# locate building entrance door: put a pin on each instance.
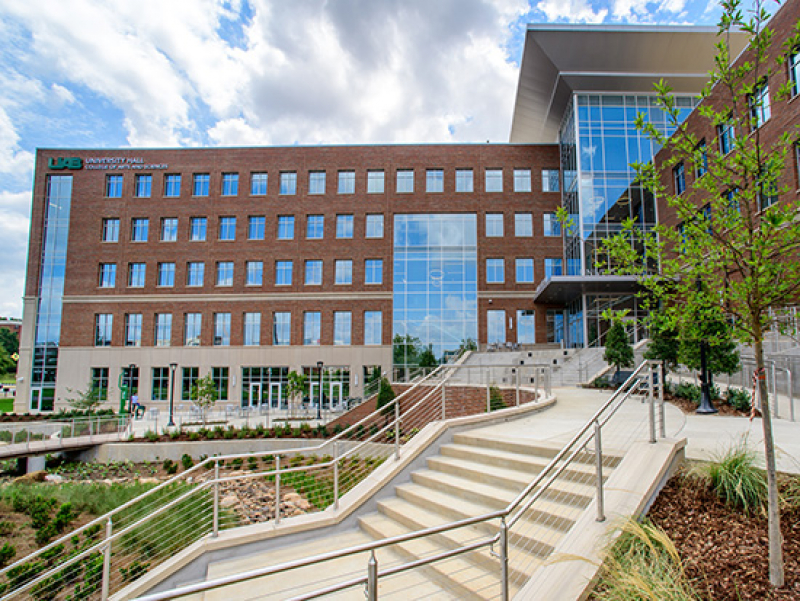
(254, 398)
(275, 390)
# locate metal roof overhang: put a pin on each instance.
(561, 289)
(561, 59)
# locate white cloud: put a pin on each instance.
(62, 94)
(12, 158)
(14, 234)
(578, 11)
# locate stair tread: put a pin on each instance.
(522, 445)
(535, 461)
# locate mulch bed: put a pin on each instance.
(688, 406)
(724, 551)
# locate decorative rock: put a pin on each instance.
(54, 478)
(229, 501)
(38, 476)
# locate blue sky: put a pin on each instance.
(156, 73)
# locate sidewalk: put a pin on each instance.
(706, 434)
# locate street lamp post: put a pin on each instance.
(131, 367)
(319, 402)
(706, 406)
(172, 368)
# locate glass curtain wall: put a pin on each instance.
(435, 284)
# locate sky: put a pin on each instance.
(169, 73)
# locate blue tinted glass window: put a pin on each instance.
(344, 271)
(200, 184)
(285, 227)
(495, 327)
(114, 186)
(495, 271)
(373, 325)
(172, 185)
(144, 186)
(230, 184)
(258, 184)
(344, 226)
(313, 273)
(198, 229)
(227, 228)
(283, 273)
(524, 268)
(373, 271)
(256, 227)
(553, 267)
(281, 328)
(526, 326)
(315, 227)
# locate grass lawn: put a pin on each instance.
(8, 378)
(7, 405)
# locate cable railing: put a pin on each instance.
(224, 492)
(507, 539)
(54, 434)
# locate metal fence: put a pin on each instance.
(52, 435)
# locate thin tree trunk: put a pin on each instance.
(773, 502)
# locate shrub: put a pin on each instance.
(738, 399)
(7, 553)
(6, 528)
(237, 463)
(734, 476)
(170, 467)
(186, 461)
(496, 400)
(688, 391)
(601, 382)
(135, 570)
(151, 436)
(194, 436)
(252, 464)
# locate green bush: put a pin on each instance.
(151, 436)
(496, 400)
(6, 528)
(738, 399)
(7, 553)
(601, 382)
(688, 391)
(734, 476)
(186, 461)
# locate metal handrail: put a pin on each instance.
(446, 370)
(629, 387)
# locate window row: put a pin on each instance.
(256, 228)
(254, 273)
(280, 335)
(345, 184)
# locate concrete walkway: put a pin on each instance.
(706, 434)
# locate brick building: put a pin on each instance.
(248, 263)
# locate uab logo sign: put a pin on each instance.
(65, 163)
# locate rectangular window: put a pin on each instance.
(160, 380)
(222, 329)
(316, 182)
(494, 180)
(524, 271)
(136, 272)
(373, 271)
(679, 178)
(523, 225)
(193, 324)
(726, 135)
(230, 184)
(139, 227)
(768, 194)
(281, 328)
(552, 226)
(375, 182)
(144, 186)
(555, 326)
(225, 273)
(100, 383)
(288, 182)
(200, 184)
(166, 275)
(496, 327)
(701, 153)
(255, 273)
(172, 185)
(312, 325)
(405, 181)
(110, 230)
(495, 271)
(315, 227)
(113, 186)
(258, 184)
(108, 275)
(553, 267)
(313, 273)
(198, 228)
(347, 182)
(344, 272)
(283, 273)
(464, 180)
(794, 71)
(256, 227)
(133, 329)
(526, 326)
(373, 326)
(169, 229)
(758, 102)
(342, 327)
(494, 225)
(550, 180)
(103, 323)
(194, 273)
(344, 226)
(522, 180)
(252, 329)
(220, 375)
(434, 180)
(189, 378)
(227, 228)
(374, 226)
(285, 227)
(163, 329)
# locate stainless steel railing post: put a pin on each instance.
(504, 559)
(277, 489)
(336, 473)
(372, 578)
(444, 401)
(662, 413)
(598, 458)
(215, 524)
(519, 369)
(488, 396)
(397, 429)
(652, 404)
(106, 562)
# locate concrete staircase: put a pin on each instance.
(474, 475)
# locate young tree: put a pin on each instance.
(619, 351)
(87, 400)
(385, 394)
(427, 358)
(741, 245)
(722, 356)
(204, 394)
(295, 389)
(9, 340)
(664, 343)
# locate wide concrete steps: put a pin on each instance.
(477, 474)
